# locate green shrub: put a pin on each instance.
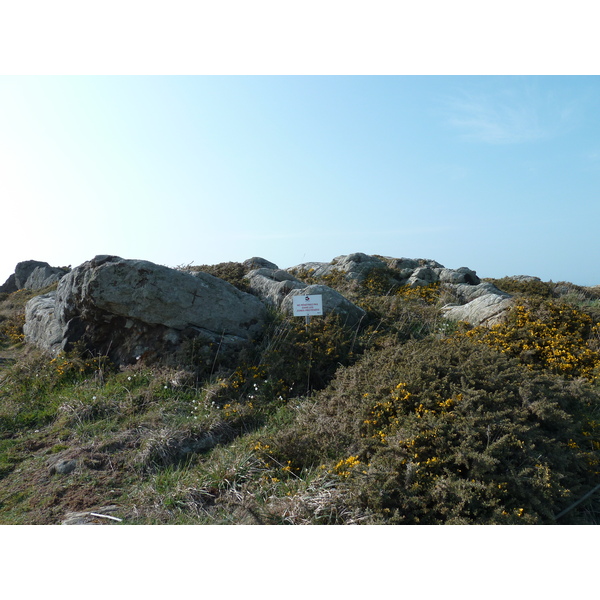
(291, 358)
(524, 288)
(449, 431)
(11, 329)
(549, 335)
(232, 272)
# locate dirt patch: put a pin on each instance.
(35, 492)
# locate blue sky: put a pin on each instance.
(497, 173)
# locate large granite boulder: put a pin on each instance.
(128, 308)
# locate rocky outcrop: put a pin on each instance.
(32, 275)
(464, 283)
(128, 308)
(482, 304)
(465, 293)
(487, 310)
(43, 276)
(272, 285)
(413, 272)
(276, 288)
(332, 302)
(132, 308)
(354, 266)
(9, 286)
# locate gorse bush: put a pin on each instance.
(547, 335)
(447, 431)
(11, 330)
(531, 287)
(267, 375)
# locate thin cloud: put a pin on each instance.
(496, 122)
(515, 115)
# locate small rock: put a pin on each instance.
(63, 467)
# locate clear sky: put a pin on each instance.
(497, 173)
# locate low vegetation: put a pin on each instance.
(403, 419)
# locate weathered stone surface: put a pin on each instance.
(259, 263)
(272, 285)
(465, 292)
(32, 275)
(409, 271)
(63, 466)
(43, 276)
(158, 295)
(422, 276)
(127, 308)
(355, 266)
(461, 275)
(411, 264)
(488, 310)
(41, 326)
(524, 278)
(314, 269)
(332, 302)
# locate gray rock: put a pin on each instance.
(332, 302)
(355, 266)
(43, 276)
(461, 275)
(487, 309)
(158, 295)
(404, 264)
(32, 275)
(259, 263)
(63, 466)
(314, 269)
(9, 286)
(272, 285)
(401, 264)
(523, 278)
(41, 326)
(465, 292)
(129, 308)
(422, 276)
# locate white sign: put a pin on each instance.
(305, 306)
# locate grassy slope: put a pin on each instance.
(406, 419)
